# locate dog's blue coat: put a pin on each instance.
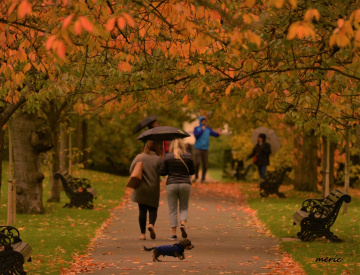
(170, 250)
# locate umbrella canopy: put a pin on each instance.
(144, 123)
(163, 133)
(271, 138)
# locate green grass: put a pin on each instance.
(217, 174)
(58, 234)
(277, 214)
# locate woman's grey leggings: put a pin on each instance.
(178, 193)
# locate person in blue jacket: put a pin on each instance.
(202, 134)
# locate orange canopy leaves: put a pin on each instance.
(121, 22)
(67, 21)
(86, 24)
(24, 9)
(311, 14)
(110, 24)
(300, 30)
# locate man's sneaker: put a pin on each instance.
(183, 231)
(173, 238)
(203, 180)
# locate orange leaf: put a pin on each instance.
(293, 3)
(310, 14)
(12, 7)
(78, 28)
(121, 23)
(250, 3)
(67, 21)
(86, 24)
(49, 43)
(292, 30)
(24, 9)
(130, 21)
(61, 49)
(340, 23)
(277, 3)
(124, 66)
(110, 24)
(142, 32)
(186, 99)
(228, 89)
(27, 67)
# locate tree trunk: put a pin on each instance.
(30, 138)
(323, 165)
(64, 149)
(5, 115)
(2, 134)
(347, 168)
(85, 143)
(55, 188)
(298, 145)
(332, 165)
(308, 164)
(81, 142)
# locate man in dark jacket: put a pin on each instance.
(261, 153)
(202, 134)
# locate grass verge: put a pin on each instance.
(58, 234)
(276, 213)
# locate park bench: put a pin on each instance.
(241, 172)
(13, 251)
(316, 216)
(272, 182)
(78, 190)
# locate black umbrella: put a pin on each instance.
(162, 133)
(144, 123)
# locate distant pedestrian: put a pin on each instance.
(178, 165)
(202, 134)
(260, 155)
(147, 195)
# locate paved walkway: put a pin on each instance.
(225, 239)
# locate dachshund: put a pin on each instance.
(175, 250)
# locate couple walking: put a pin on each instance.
(178, 165)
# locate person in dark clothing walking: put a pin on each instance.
(260, 154)
(147, 194)
(179, 165)
(202, 134)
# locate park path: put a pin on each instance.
(223, 231)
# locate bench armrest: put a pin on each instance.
(12, 233)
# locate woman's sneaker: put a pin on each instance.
(183, 231)
(152, 232)
(173, 238)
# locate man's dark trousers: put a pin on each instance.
(201, 156)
